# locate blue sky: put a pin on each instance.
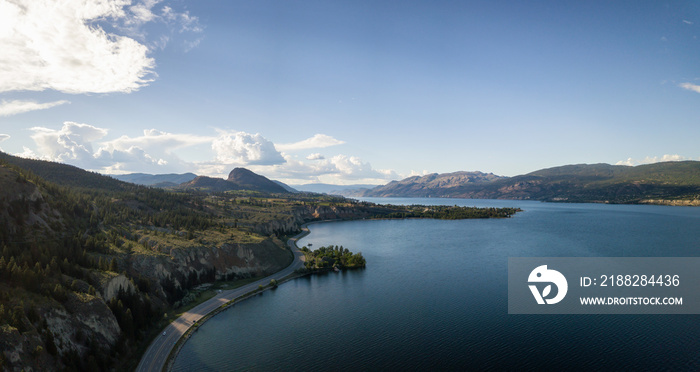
(349, 91)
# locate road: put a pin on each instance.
(157, 353)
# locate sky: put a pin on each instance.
(348, 92)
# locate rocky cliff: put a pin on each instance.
(182, 266)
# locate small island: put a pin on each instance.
(331, 258)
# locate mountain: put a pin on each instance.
(324, 188)
(66, 175)
(434, 185)
(238, 179)
(158, 180)
(248, 180)
(659, 183)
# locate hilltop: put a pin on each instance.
(238, 179)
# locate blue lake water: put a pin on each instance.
(434, 297)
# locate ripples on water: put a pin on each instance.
(434, 297)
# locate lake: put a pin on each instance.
(434, 297)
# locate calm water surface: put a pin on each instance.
(434, 297)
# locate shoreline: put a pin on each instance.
(190, 321)
(649, 201)
(292, 244)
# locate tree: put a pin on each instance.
(50, 343)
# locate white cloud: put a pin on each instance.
(74, 144)
(129, 160)
(351, 165)
(176, 23)
(185, 20)
(654, 159)
(317, 141)
(183, 23)
(50, 44)
(63, 45)
(154, 152)
(244, 148)
(3, 137)
(687, 22)
(143, 11)
(155, 139)
(71, 144)
(315, 156)
(83, 145)
(690, 86)
(340, 169)
(9, 108)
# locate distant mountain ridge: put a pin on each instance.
(675, 183)
(437, 185)
(659, 183)
(158, 180)
(325, 188)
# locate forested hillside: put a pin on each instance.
(70, 298)
(89, 264)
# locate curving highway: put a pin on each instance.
(157, 353)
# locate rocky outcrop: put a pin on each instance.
(96, 323)
(183, 266)
(20, 350)
(82, 323)
(111, 288)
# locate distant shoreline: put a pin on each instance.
(666, 202)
